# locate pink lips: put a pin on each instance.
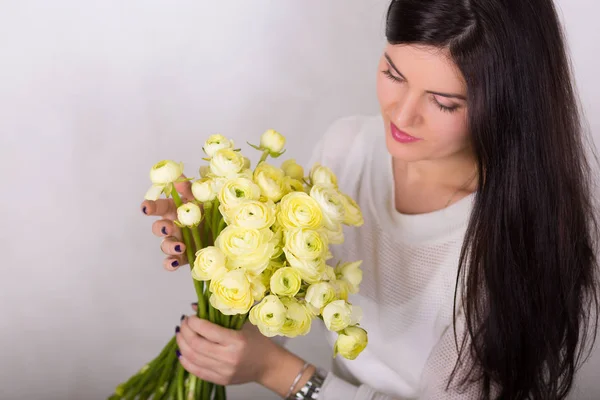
(401, 136)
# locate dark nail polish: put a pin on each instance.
(194, 304)
(175, 263)
(177, 329)
(182, 318)
(144, 210)
(178, 353)
(164, 230)
(178, 248)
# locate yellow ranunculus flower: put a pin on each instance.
(293, 170)
(286, 282)
(189, 214)
(335, 236)
(209, 261)
(299, 210)
(215, 143)
(351, 273)
(226, 163)
(273, 141)
(350, 342)
(258, 288)
(231, 292)
(352, 213)
(251, 214)
(250, 249)
(319, 295)
(270, 180)
(330, 201)
(305, 244)
(293, 185)
(339, 314)
(298, 318)
(165, 172)
(235, 191)
(322, 175)
(311, 271)
(269, 315)
(204, 190)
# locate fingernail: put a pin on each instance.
(194, 304)
(144, 210)
(178, 248)
(182, 318)
(178, 353)
(177, 329)
(164, 230)
(175, 263)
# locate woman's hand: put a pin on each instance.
(225, 356)
(172, 245)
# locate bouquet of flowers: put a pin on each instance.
(258, 244)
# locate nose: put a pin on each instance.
(406, 113)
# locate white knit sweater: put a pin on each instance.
(410, 264)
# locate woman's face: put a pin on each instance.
(423, 102)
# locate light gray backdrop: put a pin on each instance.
(92, 93)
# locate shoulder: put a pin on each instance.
(347, 144)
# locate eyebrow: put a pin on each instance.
(449, 95)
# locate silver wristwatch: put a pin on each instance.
(311, 389)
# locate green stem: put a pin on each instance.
(180, 373)
(264, 156)
(197, 239)
(191, 390)
(221, 394)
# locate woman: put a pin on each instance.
(479, 234)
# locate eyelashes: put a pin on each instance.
(397, 79)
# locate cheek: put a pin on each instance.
(449, 130)
(386, 93)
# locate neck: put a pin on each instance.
(457, 172)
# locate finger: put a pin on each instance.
(199, 345)
(162, 207)
(213, 332)
(165, 227)
(185, 189)
(195, 307)
(172, 247)
(173, 263)
(202, 373)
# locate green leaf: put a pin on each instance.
(256, 147)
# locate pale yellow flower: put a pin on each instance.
(273, 141)
(292, 169)
(286, 282)
(215, 143)
(351, 273)
(189, 215)
(311, 271)
(203, 171)
(226, 163)
(322, 175)
(330, 201)
(165, 172)
(270, 180)
(236, 191)
(335, 236)
(250, 249)
(339, 314)
(299, 210)
(352, 213)
(292, 185)
(350, 342)
(305, 244)
(204, 190)
(251, 214)
(231, 292)
(208, 262)
(298, 318)
(319, 295)
(269, 315)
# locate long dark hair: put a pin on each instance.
(528, 265)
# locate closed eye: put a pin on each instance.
(388, 73)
